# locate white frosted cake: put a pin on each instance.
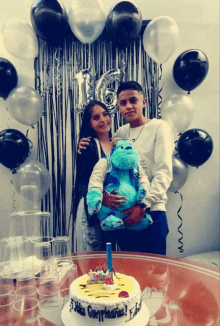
(99, 300)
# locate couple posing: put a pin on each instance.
(153, 139)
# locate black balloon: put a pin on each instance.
(14, 148)
(123, 23)
(195, 147)
(190, 69)
(8, 77)
(50, 21)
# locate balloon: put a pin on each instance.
(177, 111)
(87, 19)
(84, 82)
(25, 105)
(123, 23)
(105, 92)
(180, 174)
(8, 77)
(160, 38)
(19, 39)
(49, 20)
(14, 148)
(195, 147)
(190, 69)
(32, 173)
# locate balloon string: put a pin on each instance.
(181, 238)
(13, 203)
(159, 95)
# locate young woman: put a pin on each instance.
(96, 125)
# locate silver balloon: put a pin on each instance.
(106, 89)
(180, 174)
(177, 111)
(32, 173)
(25, 105)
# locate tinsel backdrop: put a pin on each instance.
(67, 78)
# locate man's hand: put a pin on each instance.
(113, 201)
(135, 214)
(83, 143)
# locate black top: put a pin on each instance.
(85, 163)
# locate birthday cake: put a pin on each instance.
(103, 297)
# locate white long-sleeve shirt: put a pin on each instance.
(155, 144)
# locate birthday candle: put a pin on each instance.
(109, 255)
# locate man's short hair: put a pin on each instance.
(129, 85)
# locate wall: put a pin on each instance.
(198, 22)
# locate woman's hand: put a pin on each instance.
(112, 200)
(135, 214)
(83, 143)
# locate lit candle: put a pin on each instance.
(109, 255)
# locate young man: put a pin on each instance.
(153, 139)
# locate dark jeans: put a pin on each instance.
(150, 240)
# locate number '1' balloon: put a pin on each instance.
(190, 69)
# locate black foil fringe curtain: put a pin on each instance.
(56, 69)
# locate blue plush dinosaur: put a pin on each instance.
(122, 174)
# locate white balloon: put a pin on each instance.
(19, 39)
(160, 38)
(25, 105)
(177, 110)
(87, 19)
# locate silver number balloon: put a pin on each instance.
(106, 89)
(84, 88)
(180, 174)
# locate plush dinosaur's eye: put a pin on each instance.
(122, 147)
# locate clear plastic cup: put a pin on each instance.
(25, 311)
(62, 248)
(13, 259)
(50, 310)
(42, 225)
(6, 309)
(29, 199)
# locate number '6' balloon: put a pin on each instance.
(190, 69)
(123, 23)
(25, 105)
(195, 147)
(14, 148)
(8, 77)
(32, 173)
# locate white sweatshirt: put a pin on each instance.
(155, 144)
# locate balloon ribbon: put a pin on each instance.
(181, 238)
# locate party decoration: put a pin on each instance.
(190, 69)
(8, 77)
(123, 23)
(195, 147)
(180, 174)
(32, 173)
(177, 110)
(105, 91)
(25, 105)
(14, 148)
(19, 39)
(84, 83)
(160, 38)
(49, 20)
(87, 19)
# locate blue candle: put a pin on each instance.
(109, 255)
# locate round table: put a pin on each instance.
(177, 292)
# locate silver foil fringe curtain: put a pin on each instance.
(64, 95)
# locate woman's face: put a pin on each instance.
(100, 120)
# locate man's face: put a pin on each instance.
(131, 104)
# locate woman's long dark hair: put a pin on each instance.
(86, 129)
